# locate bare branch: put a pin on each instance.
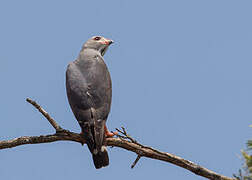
(45, 114)
(135, 162)
(145, 151)
(70, 136)
(125, 142)
(125, 135)
(117, 142)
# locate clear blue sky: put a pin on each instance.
(181, 73)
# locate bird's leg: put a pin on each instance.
(108, 133)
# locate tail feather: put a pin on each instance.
(98, 133)
(101, 158)
(94, 137)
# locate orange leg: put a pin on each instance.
(108, 133)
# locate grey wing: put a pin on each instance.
(98, 84)
(77, 88)
(101, 90)
(89, 89)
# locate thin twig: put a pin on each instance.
(135, 162)
(126, 135)
(45, 114)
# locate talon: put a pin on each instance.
(108, 133)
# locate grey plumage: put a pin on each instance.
(89, 92)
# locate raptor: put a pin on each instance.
(89, 91)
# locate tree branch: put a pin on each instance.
(45, 114)
(123, 141)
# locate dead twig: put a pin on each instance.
(135, 162)
(45, 114)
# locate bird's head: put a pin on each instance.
(98, 43)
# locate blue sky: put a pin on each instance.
(181, 73)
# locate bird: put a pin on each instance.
(89, 92)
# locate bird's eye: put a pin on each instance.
(97, 38)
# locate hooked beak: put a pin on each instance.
(107, 41)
